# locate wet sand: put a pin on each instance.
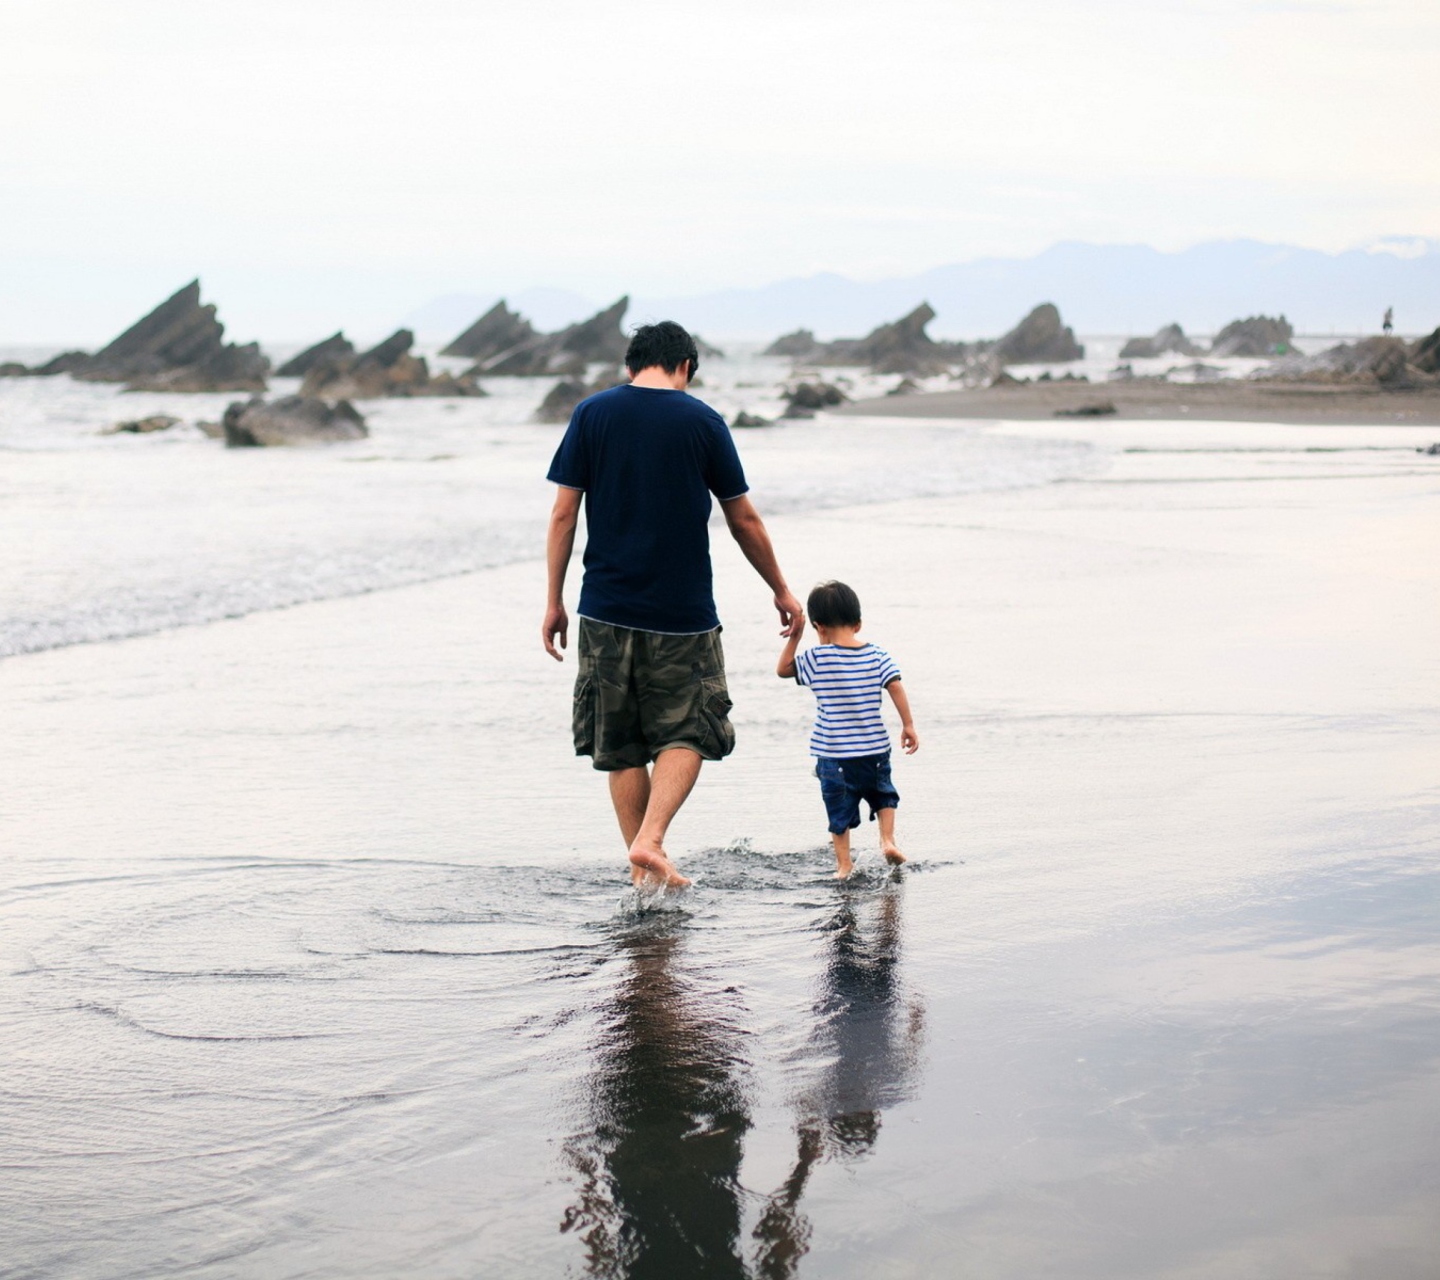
(1232, 400)
(317, 959)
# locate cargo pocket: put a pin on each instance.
(583, 716)
(715, 707)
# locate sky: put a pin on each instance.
(321, 163)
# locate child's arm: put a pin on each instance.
(909, 739)
(785, 668)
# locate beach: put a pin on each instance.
(319, 957)
(1154, 399)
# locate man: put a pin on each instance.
(650, 690)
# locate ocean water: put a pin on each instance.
(318, 956)
(118, 535)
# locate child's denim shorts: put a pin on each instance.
(844, 783)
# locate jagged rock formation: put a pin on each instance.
(901, 346)
(707, 352)
(568, 352)
(388, 369)
(337, 347)
(1170, 339)
(65, 362)
(1425, 354)
(176, 347)
(294, 420)
(1258, 337)
(560, 403)
(497, 333)
(1387, 362)
(803, 399)
(143, 426)
(798, 345)
(1040, 338)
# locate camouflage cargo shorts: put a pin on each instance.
(639, 693)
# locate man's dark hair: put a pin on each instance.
(833, 604)
(665, 344)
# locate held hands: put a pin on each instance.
(909, 739)
(792, 616)
(557, 623)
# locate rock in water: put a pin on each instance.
(337, 347)
(707, 352)
(806, 397)
(496, 334)
(1040, 338)
(1170, 339)
(14, 369)
(1425, 355)
(1258, 337)
(178, 347)
(387, 369)
(143, 426)
(294, 420)
(1096, 409)
(798, 345)
(598, 340)
(560, 403)
(1386, 361)
(744, 419)
(65, 362)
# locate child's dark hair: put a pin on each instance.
(833, 604)
(666, 344)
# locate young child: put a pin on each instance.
(850, 743)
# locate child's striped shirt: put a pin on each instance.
(847, 685)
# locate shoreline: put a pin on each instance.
(1236, 400)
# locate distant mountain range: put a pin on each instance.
(1100, 289)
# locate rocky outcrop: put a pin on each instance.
(65, 362)
(386, 370)
(179, 346)
(746, 420)
(1425, 354)
(707, 352)
(1379, 361)
(1040, 338)
(1258, 337)
(337, 347)
(497, 333)
(1167, 341)
(562, 398)
(143, 426)
(803, 399)
(294, 420)
(567, 353)
(799, 345)
(14, 369)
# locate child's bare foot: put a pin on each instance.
(657, 868)
(892, 854)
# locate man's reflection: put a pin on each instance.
(659, 1194)
(869, 1035)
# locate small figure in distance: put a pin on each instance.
(1389, 320)
(850, 743)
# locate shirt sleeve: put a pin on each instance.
(804, 667)
(889, 672)
(570, 467)
(725, 477)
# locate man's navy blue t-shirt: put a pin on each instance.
(648, 460)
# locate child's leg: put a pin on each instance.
(891, 850)
(843, 865)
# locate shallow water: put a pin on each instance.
(317, 957)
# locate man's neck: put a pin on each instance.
(658, 378)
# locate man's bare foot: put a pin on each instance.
(657, 867)
(892, 854)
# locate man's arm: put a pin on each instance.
(559, 543)
(748, 530)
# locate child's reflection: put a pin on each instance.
(659, 1196)
(870, 1037)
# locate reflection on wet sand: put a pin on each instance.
(659, 1169)
(659, 1165)
(868, 1035)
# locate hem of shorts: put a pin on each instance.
(648, 630)
(687, 744)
